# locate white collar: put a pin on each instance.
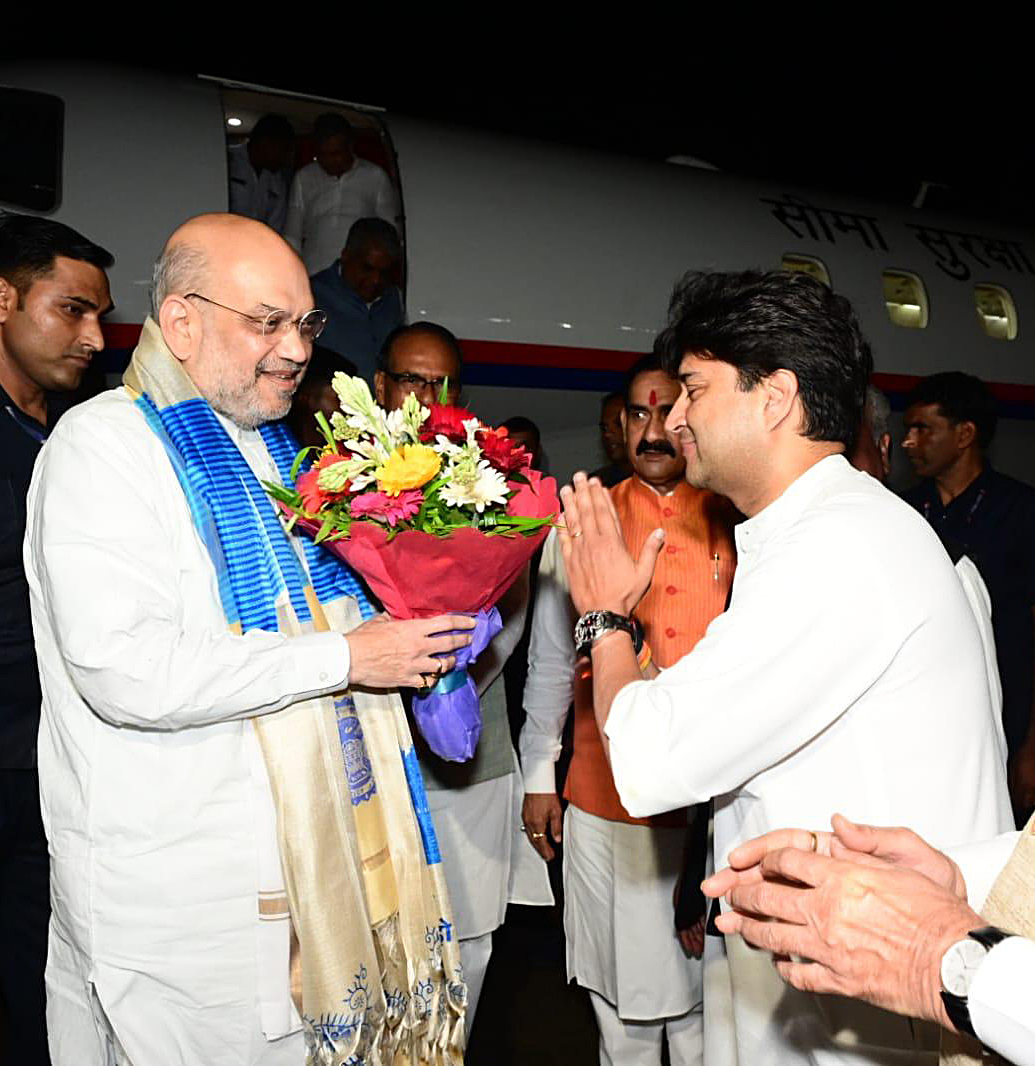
(784, 511)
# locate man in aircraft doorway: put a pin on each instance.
(950, 422)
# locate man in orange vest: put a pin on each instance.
(620, 872)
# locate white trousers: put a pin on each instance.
(639, 1043)
(474, 957)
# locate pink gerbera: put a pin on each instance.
(384, 508)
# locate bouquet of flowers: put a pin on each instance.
(437, 511)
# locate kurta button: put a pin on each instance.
(672, 590)
(667, 512)
(671, 550)
(670, 632)
(323, 677)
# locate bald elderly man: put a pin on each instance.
(229, 788)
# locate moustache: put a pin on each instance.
(272, 364)
(661, 446)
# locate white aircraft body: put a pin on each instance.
(553, 265)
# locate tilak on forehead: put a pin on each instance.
(653, 398)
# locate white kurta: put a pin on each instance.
(619, 881)
(322, 208)
(847, 675)
(157, 812)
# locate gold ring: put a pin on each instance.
(815, 840)
(577, 533)
(538, 836)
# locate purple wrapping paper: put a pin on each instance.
(449, 716)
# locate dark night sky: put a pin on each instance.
(871, 104)
(876, 127)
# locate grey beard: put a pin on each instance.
(248, 414)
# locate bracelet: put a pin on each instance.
(644, 659)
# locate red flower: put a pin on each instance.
(501, 452)
(447, 421)
(313, 497)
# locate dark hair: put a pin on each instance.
(962, 398)
(323, 365)
(760, 322)
(432, 329)
(644, 365)
(610, 397)
(272, 127)
(366, 231)
(29, 246)
(331, 124)
(521, 424)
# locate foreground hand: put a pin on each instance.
(896, 847)
(601, 573)
(386, 653)
(692, 939)
(745, 861)
(541, 817)
(865, 844)
(872, 932)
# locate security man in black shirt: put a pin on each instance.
(53, 292)
(950, 421)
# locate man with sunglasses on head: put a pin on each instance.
(238, 853)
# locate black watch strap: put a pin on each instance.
(958, 1007)
(593, 624)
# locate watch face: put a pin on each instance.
(959, 964)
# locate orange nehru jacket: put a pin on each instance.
(690, 587)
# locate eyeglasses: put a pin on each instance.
(309, 326)
(416, 383)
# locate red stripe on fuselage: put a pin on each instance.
(563, 357)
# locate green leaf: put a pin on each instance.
(325, 429)
(282, 493)
(300, 459)
(443, 393)
(324, 530)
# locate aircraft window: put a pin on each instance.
(31, 128)
(807, 264)
(996, 311)
(906, 299)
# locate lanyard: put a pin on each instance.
(29, 426)
(970, 514)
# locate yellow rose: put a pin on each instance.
(408, 467)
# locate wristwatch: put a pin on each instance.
(594, 624)
(959, 966)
